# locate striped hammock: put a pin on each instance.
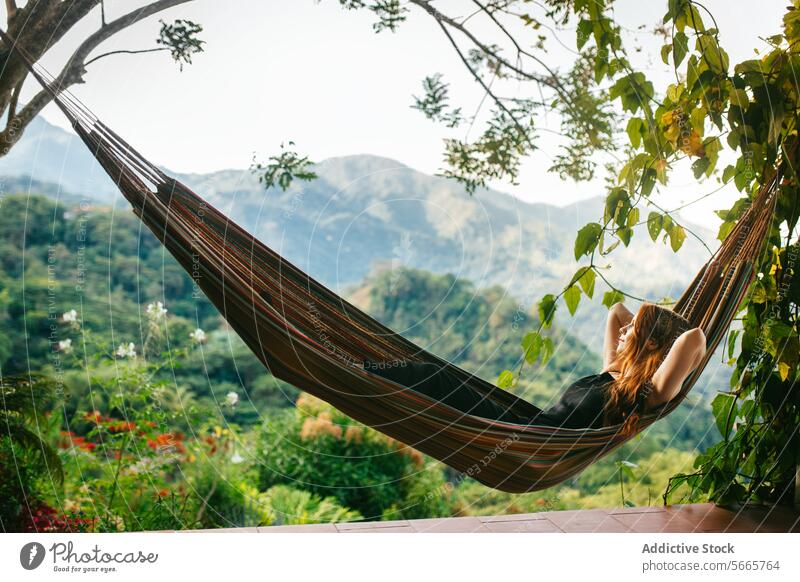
(310, 337)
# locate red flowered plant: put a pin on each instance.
(45, 519)
(120, 426)
(168, 441)
(70, 439)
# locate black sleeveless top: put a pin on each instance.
(581, 404)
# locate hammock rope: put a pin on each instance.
(310, 337)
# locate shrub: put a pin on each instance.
(318, 449)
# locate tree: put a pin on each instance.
(39, 25)
(750, 110)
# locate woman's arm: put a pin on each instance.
(618, 316)
(685, 354)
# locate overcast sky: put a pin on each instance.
(275, 70)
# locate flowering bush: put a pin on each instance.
(45, 519)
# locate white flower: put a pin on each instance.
(65, 346)
(236, 458)
(232, 398)
(128, 351)
(198, 336)
(156, 310)
(70, 316)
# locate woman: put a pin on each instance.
(646, 358)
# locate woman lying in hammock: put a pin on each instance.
(646, 358)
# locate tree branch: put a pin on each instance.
(119, 52)
(444, 19)
(556, 83)
(76, 63)
(11, 9)
(12, 106)
(74, 69)
(479, 79)
(519, 49)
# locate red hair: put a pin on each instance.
(655, 329)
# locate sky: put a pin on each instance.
(308, 71)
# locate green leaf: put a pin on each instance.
(547, 308)
(612, 297)
(505, 379)
(693, 18)
(632, 90)
(547, 350)
(654, 223)
(691, 72)
(572, 298)
(587, 239)
(628, 472)
(740, 180)
(728, 173)
(532, 345)
(625, 235)
(674, 91)
(583, 33)
(700, 167)
(680, 47)
(586, 282)
(633, 217)
(723, 406)
(732, 341)
(676, 237)
(617, 206)
(725, 229)
(665, 51)
(634, 129)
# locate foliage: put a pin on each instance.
(180, 38)
(597, 487)
(321, 450)
(22, 399)
(283, 169)
(291, 506)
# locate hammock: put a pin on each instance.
(310, 337)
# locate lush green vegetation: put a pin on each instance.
(158, 417)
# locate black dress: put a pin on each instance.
(580, 405)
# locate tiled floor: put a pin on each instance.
(704, 517)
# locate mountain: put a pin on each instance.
(49, 154)
(365, 213)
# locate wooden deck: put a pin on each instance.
(704, 517)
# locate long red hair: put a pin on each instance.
(638, 360)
